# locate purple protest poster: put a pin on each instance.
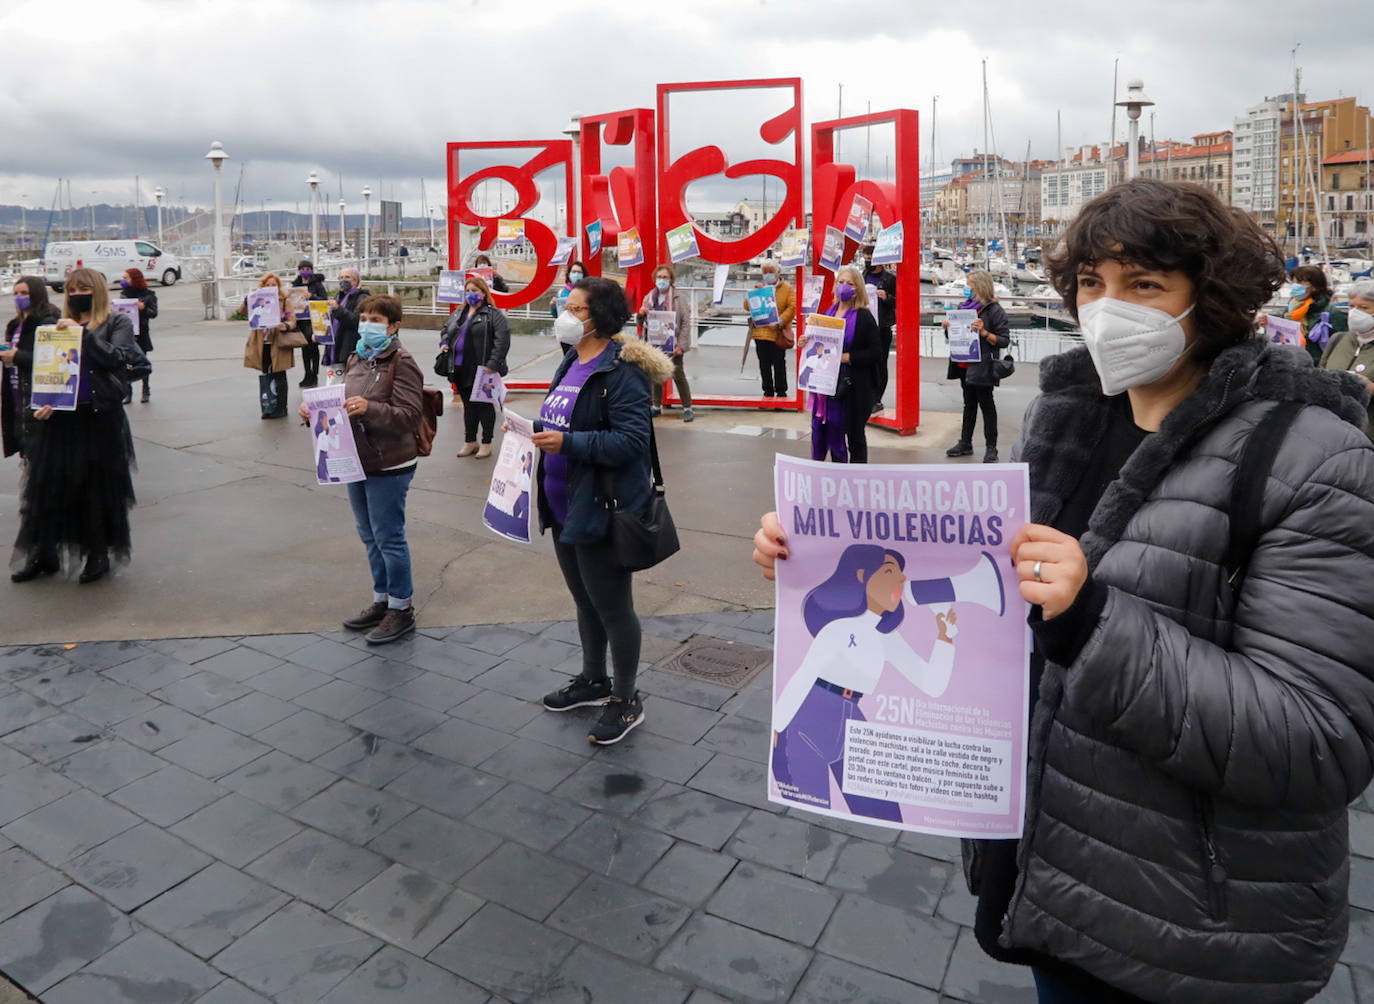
(901, 661)
(507, 512)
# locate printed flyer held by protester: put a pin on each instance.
(964, 346)
(901, 662)
(507, 512)
(336, 454)
(320, 328)
(819, 369)
(487, 386)
(660, 328)
(56, 368)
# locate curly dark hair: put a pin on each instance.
(605, 304)
(1234, 266)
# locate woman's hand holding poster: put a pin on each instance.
(819, 369)
(964, 346)
(901, 661)
(507, 511)
(336, 455)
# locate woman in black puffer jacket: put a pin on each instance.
(32, 311)
(979, 379)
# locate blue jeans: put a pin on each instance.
(379, 510)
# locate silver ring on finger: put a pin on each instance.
(1036, 569)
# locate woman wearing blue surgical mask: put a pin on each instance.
(1201, 717)
(572, 275)
(31, 311)
(477, 335)
(664, 296)
(382, 398)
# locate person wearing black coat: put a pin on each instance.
(979, 379)
(344, 312)
(135, 287)
(886, 282)
(310, 354)
(477, 335)
(839, 422)
(33, 310)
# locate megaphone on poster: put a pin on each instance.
(981, 584)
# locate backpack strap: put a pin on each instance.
(1247, 490)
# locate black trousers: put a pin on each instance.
(856, 415)
(881, 375)
(478, 413)
(606, 615)
(310, 359)
(772, 367)
(976, 399)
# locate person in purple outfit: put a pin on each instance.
(838, 421)
(853, 617)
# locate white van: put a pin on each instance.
(110, 258)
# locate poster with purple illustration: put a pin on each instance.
(488, 386)
(264, 308)
(127, 307)
(901, 661)
(336, 453)
(1283, 331)
(812, 289)
(832, 250)
(507, 512)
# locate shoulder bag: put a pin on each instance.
(640, 542)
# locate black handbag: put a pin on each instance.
(137, 366)
(443, 367)
(1003, 367)
(640, 542)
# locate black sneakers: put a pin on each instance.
(580, 693)
(368, 618)
(616, 721)
(990, 457)
(394, 624)
(960, 449)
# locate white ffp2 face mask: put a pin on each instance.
(1131, 345)
(1359, 321)
(568, 328)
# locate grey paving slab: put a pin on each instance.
(213, 751)
(620, 918)
(939, 848)
(656, 755)
(408, 909)
(24, 881)
(609, 785)
(20, 710)
(685, 723)
(107, 703)
(101, 655)
(150, 671)
(397, 720)
(743, 781)
(288, 681)
(509, 955)
(72, 825)
(907, 945)
(232, 992)
(693, 815)
(353, 812)
(688, 874)
(444, 657)
(957, 904)
(239, 664)
(736, 962)
(972, 976)
(527, 881)
(251, 713)
(396, 977)
(378, 673)
(60, 685)
(208, 911)
(192, 650)
(530, 816)
(849, 827)
(143, 969)
(236, 829)
(497, 711)
(326, 656)
(433, 690)
(521, 680)
(371, 760)
(54, 938)
(28, 788)
(23, 661)
(566, 730)
(1362, 833)
(613, 847)
(790, 845)
(338, 699)
(1362, 883)
(168, 795)
(436, 845)
(680, 688)
(11, 759)
(158, 728)
(105, 766)
(280, 645)
(63, 735)
(306, 735)
(279, 781)
(297, 955)
(201, 692)
(136, 866)
(462, 741)
(891, 876)
(592, 975)
(497, 639)
(834, 981)
(774, 902)
(447, 788)
(755, 705)
(318, 868)
(532, 763)
(741, 737)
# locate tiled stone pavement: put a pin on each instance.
(296, 818)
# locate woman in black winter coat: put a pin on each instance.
(978, 379)
(32, 311)
(135, 287)
(477, 335)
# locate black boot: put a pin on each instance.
(147, 393)
(36, 567)
(963, 448)
(97, 567)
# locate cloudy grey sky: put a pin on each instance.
(100, 92)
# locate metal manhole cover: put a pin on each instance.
(718, 662)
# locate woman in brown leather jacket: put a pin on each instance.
(382, 396)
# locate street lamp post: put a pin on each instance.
(1134, 101)
(367, 226)
(343, 234)
(314, 182)
(159, 194)
(217, 156)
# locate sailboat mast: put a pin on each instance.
(933, 100)
(987, 263)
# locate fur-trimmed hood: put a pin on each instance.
(640, 353)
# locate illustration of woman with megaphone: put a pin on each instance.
(853, 618)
